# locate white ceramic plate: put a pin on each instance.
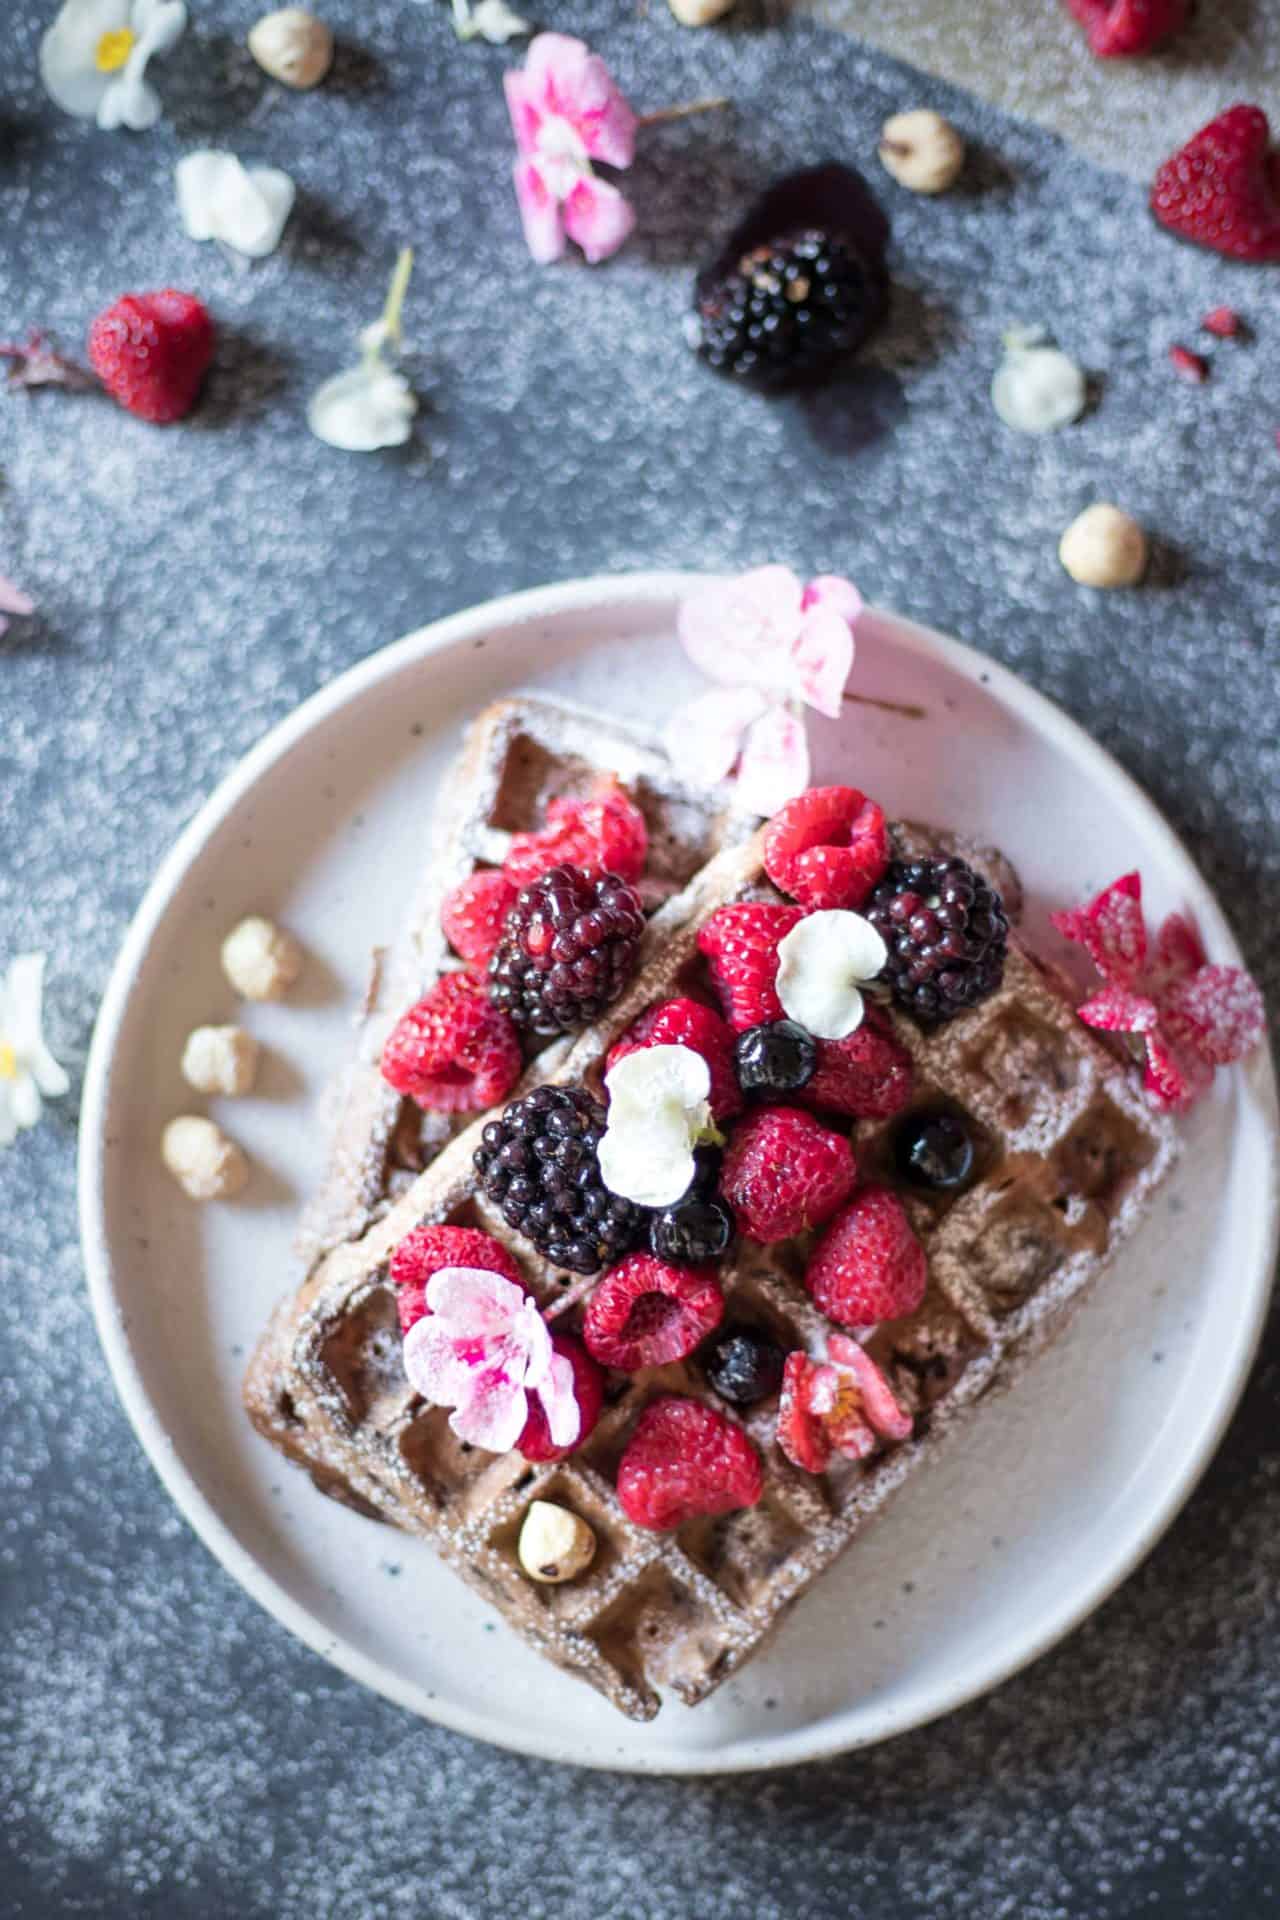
(1041, 1507)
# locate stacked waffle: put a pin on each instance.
(1067, 1156)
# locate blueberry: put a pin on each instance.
(693, 1230)
(777, 1058)
(744, 1365)
(934, 1149)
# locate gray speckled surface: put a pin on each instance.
(165, 1748)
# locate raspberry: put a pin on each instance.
(842, 1405)
(827, 848)
(539, 1163)
(473, 914)
(604, 832)
(687, 1023)
(784, 1172)
(685, 1459)
(1225, 322)
(1120, 27)
(568, 947)
(1189, 366)
(1221, 190)
(588, 1390)
(428, 1248)
(151, 351)
(741, 943)
(453, 1052)
(946, 932)
(867, 1074)
(646, 1312)
(868, 1265)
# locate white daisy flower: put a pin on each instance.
(93, 59)
(27, 1068)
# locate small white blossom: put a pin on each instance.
(369, 405)
(491, 20)
(27, 1068)
(93, 59)
(1036, 388)
(823, 964)
(659, 1110)
(243, 207)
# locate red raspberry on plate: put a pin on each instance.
(827, 848)
(647, 1312)
(843, 1405)
(427, 1248)
(868, 1265)
(588, 1390)
(685, 1459)
(1119, 27)
(741, 943)
(867, 1074)
(151, 351)
(473, 914)
(687, 1023)
(601, 832)
(453, 1052)
(1222, 189)
(784, 1172)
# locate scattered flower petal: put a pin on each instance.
(704, 737)
(491, 20)
(566, 112)
(243, 207)
(93, 59)
(1037, 388)
(36, 364)
(774, 764)
(1189, 366)
(27, 1068)
(823, 963)
(369, 405)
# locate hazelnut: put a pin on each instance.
(260, 960)
(205, 1164)
(1104, 547)
(699, 13)
(922, 150)
(220, 1060)
(292, 46)
(555, 1544)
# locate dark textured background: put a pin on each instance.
(165, 1748)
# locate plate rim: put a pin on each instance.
(799, 1745)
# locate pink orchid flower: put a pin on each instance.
(566, 112)
(484, 1349)
(1189, 1016)
(775, 647)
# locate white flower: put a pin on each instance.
(823, 963)
(1037, 388)
(483, 1348)
(93, 59)
(244, 207)
(491, 20)
(659, 1110)
(27, 1068)
(370, 405)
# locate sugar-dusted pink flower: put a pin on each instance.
(484, 1349)
(774, 646)
(566, 111)
(1189, 1017)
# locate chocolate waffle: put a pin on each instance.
(1068, 1156)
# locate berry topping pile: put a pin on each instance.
(933, 1150)
(868, 1265)
(429, 1248)
(788, 310)
(688, 1023)
(946, 932)
(780, 1057)
(1222, 190)
(784, 1173)
(454, 1052)
(538, 1163)
(684, 1459)
(744, 1366)
(604, 832)
(151, 351)
(646, 1313)
(568, 947)
(741, 943)
(535, 1442)
(827, 848)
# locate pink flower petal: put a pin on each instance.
(539, 213)
(433, 1364)
(1116, 1010)
(822, 655)
(1174, 1079)
(13, 599)
(774, 766)
(881, 1409)
(704, 737)
(471, 1303)
(493, 1413)
(741, 632)
(526, 117)
(597, 217)
(834, 591)
(1111, 930)
(571, 81)
(560, 1403)
(1179, 948)
(1218, 1014)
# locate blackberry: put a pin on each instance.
(945, 930)
(779, 1057)
(538, 1163)
(788, 309)
(568, 947)
(744, 1365)
(694, 1230)
(933, 1149)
